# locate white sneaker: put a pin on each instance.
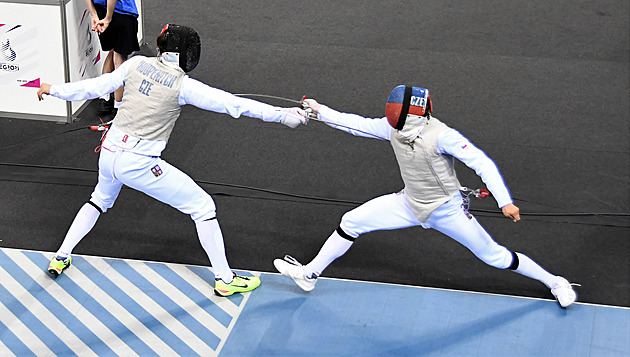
(291, 268)
(563, 292)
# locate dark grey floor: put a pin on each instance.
(542, 87)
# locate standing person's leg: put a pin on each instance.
(120, 39)
(451, 220)
(103, 198)
(125, 43)
(106, 39)
(108, 63)
(166, 183)
(118, 93)
(106, 102)
(382, 213)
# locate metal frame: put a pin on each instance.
(66, 56)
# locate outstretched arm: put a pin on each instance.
(203, 96)
(354, 124)
(87, 88)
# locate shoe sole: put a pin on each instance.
(218, 293)
(228, 293)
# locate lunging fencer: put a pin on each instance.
(425, 149)
(155, 88)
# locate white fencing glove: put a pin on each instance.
(291, 117)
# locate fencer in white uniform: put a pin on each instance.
(425, 149)
(154, 90)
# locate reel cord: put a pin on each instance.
(44, 137)
(318, 200)
(327, 200)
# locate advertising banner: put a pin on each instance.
(47, 41)
(30, 52)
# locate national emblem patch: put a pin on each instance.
(156, 170)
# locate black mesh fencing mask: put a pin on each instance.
(183, 40)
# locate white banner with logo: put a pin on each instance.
(46, 41)
(31, 52)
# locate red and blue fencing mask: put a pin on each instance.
(406, 100)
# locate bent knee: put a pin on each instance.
(203, 210)
(496, 256)
(350, 226)
(204, 216)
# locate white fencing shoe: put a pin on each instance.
(291, 268)
(563, 292)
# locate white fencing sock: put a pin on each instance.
(529, 268)
(83, 223)
(212, 242)
(334, 247)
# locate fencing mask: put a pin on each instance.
(181, 40)
(404, 100)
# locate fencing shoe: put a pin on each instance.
(58, 265)
(563, 291)
(291, 268)
(106, 106)
(239, 284)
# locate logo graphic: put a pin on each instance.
(8, 55)
(19, 55)
(156, 170)
(7, 52)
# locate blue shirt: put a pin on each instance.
(125, 7)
